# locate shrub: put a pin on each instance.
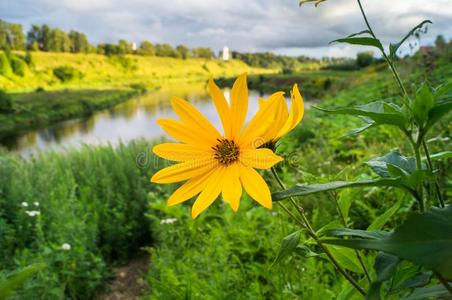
(66, 73)
(97, 210)
(18, 66)
(6, 104)
(5, 66)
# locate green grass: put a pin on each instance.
(103, 72)
(42, 108)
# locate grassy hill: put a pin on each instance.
(103, 72)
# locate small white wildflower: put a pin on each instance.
(168, 221)
(24, 204)
(33, 213)
(66, 247)
(36, 203)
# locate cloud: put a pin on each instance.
(252, 25)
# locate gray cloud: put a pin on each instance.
(252, 25)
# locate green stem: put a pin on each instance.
(417, 153)
(390, 63)
(430, 165)
(306, 224)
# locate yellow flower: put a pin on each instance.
(285, 121)
(212, 163)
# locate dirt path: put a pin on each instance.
(128, 283)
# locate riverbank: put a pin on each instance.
(31, 110)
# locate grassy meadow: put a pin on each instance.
(99, 199)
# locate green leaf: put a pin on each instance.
(288, 245)
(366, 31)
(394, 47)
(346, 258)
(380, 221)
(358, 130)
(305, 189)
(439, 155)
(380, 164)
(422, 103)
(364, 41)
(379, 112)
(437, 112)
(344, 202)
(428, 293)
(443, 89)
(419, 280)
(7, 286)
(366, 234)
(425, 239)
(385, 265)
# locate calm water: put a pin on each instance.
(135, 118)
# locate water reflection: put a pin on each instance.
(130, 120)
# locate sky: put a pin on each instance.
(280, 26)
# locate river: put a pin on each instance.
(133, 119)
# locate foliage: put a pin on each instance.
(422, 242)
(364, 59)
(97, 210)
(18, 65)
(11, 36)
(146, 48)
(5, 65)
(66, 73)
(6, 103)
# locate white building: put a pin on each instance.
(134, 46)
(225, 53)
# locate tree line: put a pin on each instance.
(45, 38)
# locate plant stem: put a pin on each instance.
(444, 282)
(306, 224)
(390, 63)
(430, 165)
(419, 167)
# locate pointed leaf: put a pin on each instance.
(437, 112)
(422, 103)
(366, 234)
(380, 112)
(380, 164)
(288, 245)
(380, 221)
(364, 41)
(433, 292)
(425, 239)
(306, 189)
(440, 155)
(346, 258)
(8, 285)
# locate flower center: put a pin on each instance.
(226, 151)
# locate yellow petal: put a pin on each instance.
(189, 189)
(296, 112)
(193, 119)
(255, 186)
(183, 133)
(239, 104)
(255, 133)
(232, 188)
(280, 119)
(180, 152)
(212, 189)
(184, 171)
(221, 105)
(259, 158)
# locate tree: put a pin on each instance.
(165, 50)
(124, 47)
(203, 52)
(11, 36)
(79, 42)
(440, 42)
(183, 51)
(146, 48)
(364, 59)
(58, 41)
